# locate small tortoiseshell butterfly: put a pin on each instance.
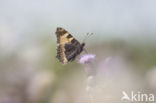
(68, 47)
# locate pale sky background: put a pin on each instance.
(125, 19)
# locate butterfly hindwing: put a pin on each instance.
(71, 51)
(60, 54)
(68, 47)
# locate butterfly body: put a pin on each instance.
(68, 47)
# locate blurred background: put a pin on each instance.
(124, 44)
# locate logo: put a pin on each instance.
(137, 97)
(68, 47)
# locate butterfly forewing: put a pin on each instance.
(68, 47)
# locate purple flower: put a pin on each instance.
(87, 58)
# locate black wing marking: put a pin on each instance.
(71, 51)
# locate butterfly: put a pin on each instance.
(68, 47)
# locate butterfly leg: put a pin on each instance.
(85, 51)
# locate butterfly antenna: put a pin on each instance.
(87, 36)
